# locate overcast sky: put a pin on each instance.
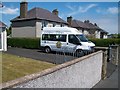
(105, 14)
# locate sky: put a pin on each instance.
(105, 14)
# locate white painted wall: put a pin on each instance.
(86, 32)
(57, 25)
(50, 24)
(38, 29)
(80, 30)
(3, 40)
(105, 36)
(65, 25)
(97, 34)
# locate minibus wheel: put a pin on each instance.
(79, 53)
(47, 50)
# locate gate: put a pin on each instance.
(113, 57)
(110, 59)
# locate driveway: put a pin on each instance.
(37, 54)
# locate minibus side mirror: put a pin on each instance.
(79, 43)
(89, 41)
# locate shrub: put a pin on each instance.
(34, 43)
(105, 42)
(31, 43)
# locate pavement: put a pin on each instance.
(111, 81)
(112, 70)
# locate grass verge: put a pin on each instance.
(14, 66)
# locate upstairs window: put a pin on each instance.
(44, 24)
(54, 24)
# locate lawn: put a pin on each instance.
(14, 66)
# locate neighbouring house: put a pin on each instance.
(3, 37)
(87, 28)
(103, 34)
(30, 23)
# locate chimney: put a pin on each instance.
(86, 21)
(95, 24)
(69, 20)
(23, 9)
(55, 12)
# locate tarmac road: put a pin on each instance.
(40, 55)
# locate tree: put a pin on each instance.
(118, 35)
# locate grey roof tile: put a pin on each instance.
(77, 23)
(80, 24)
(40, 13)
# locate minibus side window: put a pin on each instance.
(73, 39)
(45, 37)
(54, 37)
(61, 38)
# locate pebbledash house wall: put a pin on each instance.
(84, 72)
(24, 28)
(31, 28)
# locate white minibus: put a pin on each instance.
(64, 39)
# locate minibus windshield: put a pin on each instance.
(82, 38)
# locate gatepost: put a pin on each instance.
(114, 54)
(104, 62)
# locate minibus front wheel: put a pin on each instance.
(47, 49)
(79, 53)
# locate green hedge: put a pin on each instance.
(34, 43)
(105, 42)
(31, 43)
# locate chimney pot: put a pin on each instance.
(55, 12)
(86, 21)
(95, 24)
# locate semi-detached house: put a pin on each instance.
(87, 28)
(30, 23)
